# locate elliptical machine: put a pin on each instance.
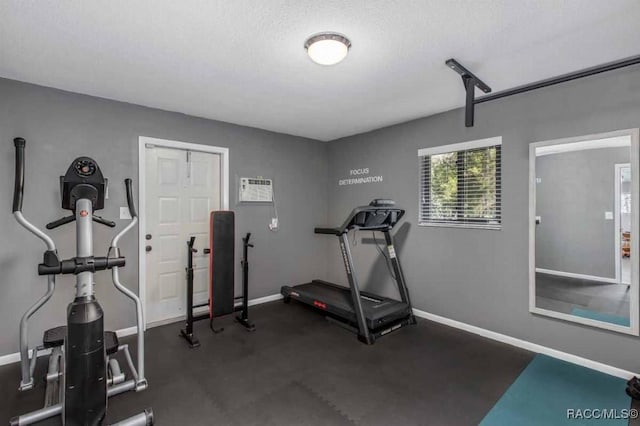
(83, 371)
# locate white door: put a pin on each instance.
(182, 188)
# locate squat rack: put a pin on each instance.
(471, 81)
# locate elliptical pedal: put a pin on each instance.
(54, 337)
(633, 388)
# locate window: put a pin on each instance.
(460, 185)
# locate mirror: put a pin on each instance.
(583, 230)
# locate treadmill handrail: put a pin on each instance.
(330, 231)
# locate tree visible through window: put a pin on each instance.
(462, 187)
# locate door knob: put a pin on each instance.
(147, 249)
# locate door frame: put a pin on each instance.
(617, 223)
(142, 184)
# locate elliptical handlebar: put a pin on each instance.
(132, 211)
(141, 381)
(130, 202)
(18, 195)
(18, 188)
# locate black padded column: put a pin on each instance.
(221, 263)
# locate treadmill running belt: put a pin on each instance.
(378, 311)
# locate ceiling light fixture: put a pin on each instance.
(327, 48)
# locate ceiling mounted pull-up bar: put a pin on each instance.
(470, 82)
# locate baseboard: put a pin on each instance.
(533, 347)
(166, 321)
(204, 309)
(11, 358)
(127, 331)
(265, 299)
(578, 276)
(15, 357)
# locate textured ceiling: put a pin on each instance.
(243, 61)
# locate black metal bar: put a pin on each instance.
(609, 66)
(364, 335)
(330, 231)
(61, 221)
(243, 318)
(469, 110)
(103, 221)
(460, 69)
(399, 274)
(187, 333)
(200, 317)
(470, 81)
(18, 189)
(245, 275)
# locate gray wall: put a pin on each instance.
(480, 277)
(59, 126)
(575, 190)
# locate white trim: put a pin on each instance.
(252, 302)
(480, 143)
(11, 358)
(612, 142)
(15, 357)
(533, 347)
(578, 276)
(617, 225)
(166, 321)
(129, 331)
(635, 227)
(142, 142)
(617, 243)
(204, 309)
(124, 332)
(532, 227)
(463, 225)
(265, 299)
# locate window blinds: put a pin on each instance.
(461, 185)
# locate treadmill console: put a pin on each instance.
(381, 202)
(379, 215)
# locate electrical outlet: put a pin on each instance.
(124, 213)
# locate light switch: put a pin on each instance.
(538, 180)
(608, 215)
(124, 213)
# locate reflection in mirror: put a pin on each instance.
(583, 230)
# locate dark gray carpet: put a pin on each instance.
(298, 369)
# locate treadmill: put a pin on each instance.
(368, 315)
